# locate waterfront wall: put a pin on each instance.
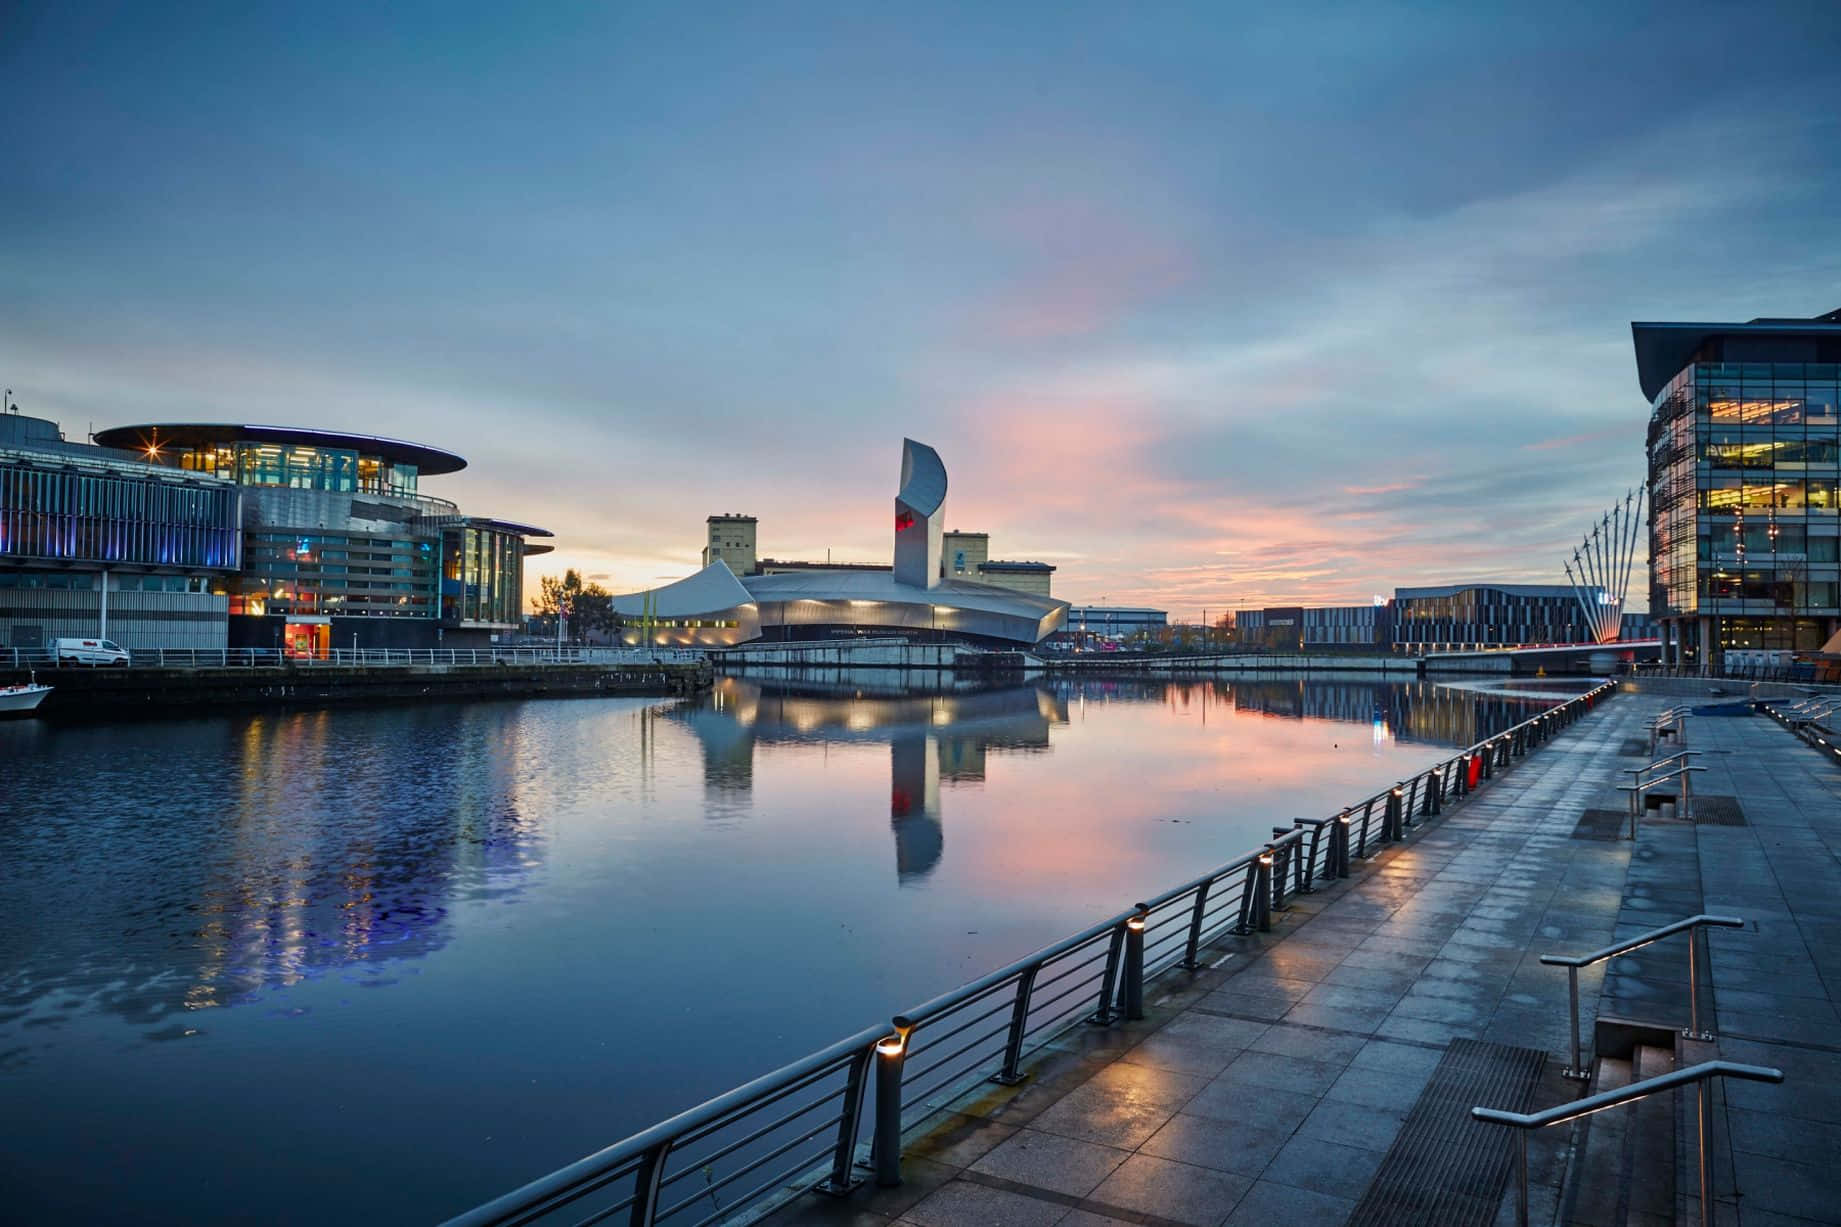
(81, 693)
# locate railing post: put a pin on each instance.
(1194, 946)
(1102, 1016)
(1133, 987)
(1521, 1174)
(1687, 794)
(1694, 1032)
(1704, 1126)
(1249, 899)
(646, 1186)
(891, 1053)
(1576, 1070)
(1307, 864)
(843, 1155)
(1262, 905)
(1010, 1075)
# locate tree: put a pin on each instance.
(584, 607)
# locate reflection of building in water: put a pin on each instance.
(931, 737)
(1410, 711)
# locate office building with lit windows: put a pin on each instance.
(340, 546)
(1743, 446)
(98, 543)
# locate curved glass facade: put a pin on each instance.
(296, 466)
(482, 573)
(1745, 464)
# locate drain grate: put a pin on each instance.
(1719, 811)
(1634, 747)
(1602, 824)
(1445, 1168)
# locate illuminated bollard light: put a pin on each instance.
(891, 1052)
(1262, 900)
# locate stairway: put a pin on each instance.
(1623, 1162)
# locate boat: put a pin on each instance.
(21, 699)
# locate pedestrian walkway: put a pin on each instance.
(1270, 1087)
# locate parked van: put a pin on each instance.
(87, 652)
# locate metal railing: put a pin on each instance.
(1700, 1076)
(1669, 722)
(901, 1073)
(1639, 785)
(275, 658)
(1573, 962)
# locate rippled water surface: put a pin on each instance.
(384, 964)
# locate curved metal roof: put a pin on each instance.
(711, 590)
(431, 461)
(923, 478)
(508, 526)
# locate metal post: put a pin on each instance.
(1262, 893)
(1193, 948)
(1102, 1016)
(1521, 1170)
(1577, 1070)
(1133, 987)
(1694, 1032)
(1392, 828)
(844, 1153)
(1010, 1075)
(891, 1052)
(646, 1186)
(1687, 794)
(104, 632)
(1703, 1126)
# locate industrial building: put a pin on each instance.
(909, 598)
(1744, 444)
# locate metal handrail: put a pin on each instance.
(1573, 962)
(1699, 1075)
(1639, 786)
(1096, 975)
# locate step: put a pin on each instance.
(1651, 1143)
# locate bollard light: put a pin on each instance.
(890, 1046)
(1134, 965)
(1135, 924)
(887, 1146)
(1265, 859)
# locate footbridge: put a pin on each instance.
(1595, 658)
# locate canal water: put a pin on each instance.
(386, 963)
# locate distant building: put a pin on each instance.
(1744, 446)
(1032, 577)
(339, 544)
(961, 553)
(1117, 621)
(1454, 617)
(96, 541)
(732, 539)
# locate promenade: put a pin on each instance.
(1288, 1081)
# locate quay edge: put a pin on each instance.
(107, 694)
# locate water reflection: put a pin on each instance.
(155, 871)
(933, 734)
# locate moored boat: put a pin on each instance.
(20, 700)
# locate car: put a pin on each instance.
(88, 652)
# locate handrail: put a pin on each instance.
(1642, 939)
(1698, 1075)
(551, 1192)
(1573, 962)
(1685, 808)
(1096, 975)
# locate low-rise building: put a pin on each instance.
(1035, 578)
(732, 539)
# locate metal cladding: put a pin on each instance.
(918, 522)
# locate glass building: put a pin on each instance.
(1743, 446)
(340, 546)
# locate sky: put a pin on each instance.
(1210, 306)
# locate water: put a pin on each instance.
(388, 963)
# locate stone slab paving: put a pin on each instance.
(1268, 1087)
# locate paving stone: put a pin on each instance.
(1171, 1190)
(1269, 1202)
(1050, 1161)
(1243, 1146)
(964, 1204)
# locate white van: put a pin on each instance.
(87, 652)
